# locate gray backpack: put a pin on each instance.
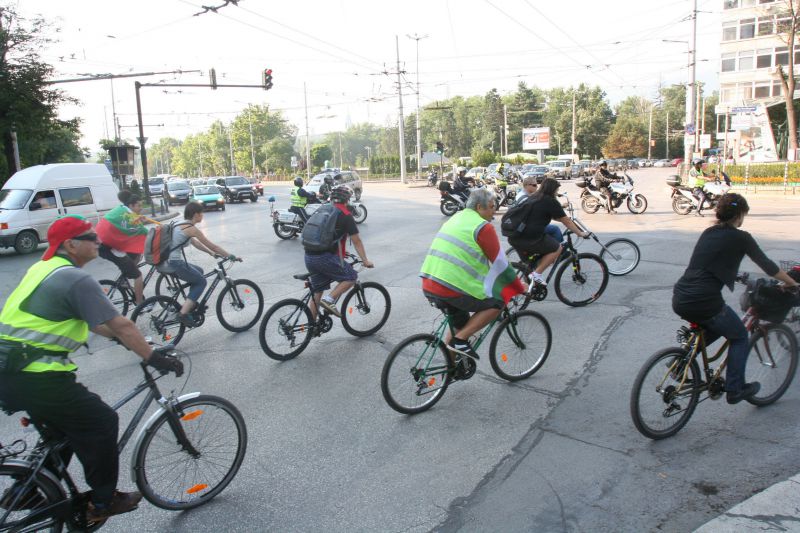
(319, 233)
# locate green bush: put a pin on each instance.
(760, 170)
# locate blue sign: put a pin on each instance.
(744, 109)
(690, 129)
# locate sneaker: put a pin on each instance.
(749, 390)
(463, 347)
(30, 500)
(330, 306)
(187, 320)
(121, 502)
(538, 280)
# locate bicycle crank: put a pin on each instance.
(465, 368)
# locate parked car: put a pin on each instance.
(661, 163)
(211, 181)
(577, 170)
(259, 188)
(476, 172)
(236, 189)
(340, 177)
(560, 169)
(208, 195)
(156, 185)
(197, 181)
(675, 162)
(177, 192)
(540, 172)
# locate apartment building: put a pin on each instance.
(752, 46)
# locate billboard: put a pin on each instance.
(535, 138)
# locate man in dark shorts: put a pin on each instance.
(466, 271)
(534, 240)
(329, 265)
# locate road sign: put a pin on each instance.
(294, 161)
(690, 129)
(705, 141)
(744, 109)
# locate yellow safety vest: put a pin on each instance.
(455, 259)
(17, 325)
(297, 200)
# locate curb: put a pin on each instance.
(167, 216)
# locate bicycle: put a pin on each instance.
(157, 316)
(290, 323)
(793, 319)
(419, 369)
(120, 292)
(187, 452)
(667, 389)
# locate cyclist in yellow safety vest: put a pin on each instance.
(47, 317)
(300, 198)
(466, 271)
(697, 180)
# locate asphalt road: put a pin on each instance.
(556, 452)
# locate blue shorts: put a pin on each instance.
(325, 268)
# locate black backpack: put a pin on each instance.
(516, 217)
(319, 233)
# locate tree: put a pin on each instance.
(278, 154)
(628, 138)
(788, 17)
(320, 153)
(593, 119)
(27, 103)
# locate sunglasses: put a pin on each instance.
(88, 237)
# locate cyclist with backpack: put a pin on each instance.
(324, 241)
(184, 233)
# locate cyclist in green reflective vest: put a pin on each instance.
(47, 317)
(466, 271)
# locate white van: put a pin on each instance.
(571, 159)
(34, 197)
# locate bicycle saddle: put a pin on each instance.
(302, 277)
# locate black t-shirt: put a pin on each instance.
(543, 210)
(345, 227)
(697, 296)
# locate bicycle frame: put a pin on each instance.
(583, 227)
(219, 273)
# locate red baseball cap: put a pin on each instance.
(64, 229)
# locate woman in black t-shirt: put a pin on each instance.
(697, 296)
(534, 239)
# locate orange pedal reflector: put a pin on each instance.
(191, 416)
(197, 488)
(431, 382)
(504, 358)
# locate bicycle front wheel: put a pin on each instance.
(171, 477)
(239, 305)
(772, 361)
(585, 280)
(416, 374)
(21, 497)
(157, 319)
(366, 309)
(118, 295)
(621, 256)
(286, 329)
(665, 393)
(520, 345)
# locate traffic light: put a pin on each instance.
(266, 79)
(439, 147)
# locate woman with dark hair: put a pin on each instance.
(184, 233)
(534, 239)
(697, 296)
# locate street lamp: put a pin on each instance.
(690, 95)
(419, 146)
(369, 157)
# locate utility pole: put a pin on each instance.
(117, 131)
(143, 150)
(691, 87)
(15, 148)
(308, 146)
(419, 130)
(505, 129)
(252, 146)
(401, 123)
(666, 153)
(341, 159)
(574, 120)
(230, 144)
(650, 132)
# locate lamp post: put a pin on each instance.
(369, 157)
(419, 144)
(690, 97)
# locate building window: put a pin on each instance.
(746, 60)
(777, 89)
(765, 1)
(782, 25)
(728, 62)
(781, 55)
(765, 26)
(764, 58)
(748, 3)
(730, 4)
(729, 31)
(745, 91)
(762, 89)
(747, 28)
(726, 92)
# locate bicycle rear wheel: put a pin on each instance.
(366, 309)
(665, 393)
(239, 305)
(285, 330)
(585, 281)
(772, 361)
(157, 319)
(621, 256)
(169, 476)
(118, 295)
(520, 345)
(21, 502)
(416, 374)
(167, 285)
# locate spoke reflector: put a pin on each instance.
(191, 416)
(197, 488)
(350, 310)
(431, 382)
(504, 358)
(247, 291)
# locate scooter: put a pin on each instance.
(621, 191)
(288, 224)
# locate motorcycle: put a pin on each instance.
(451, 202)
(288, 224)
(433, 177)
(505, 196)
(621, 191)
(684, 200)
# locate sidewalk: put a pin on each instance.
(776, 508)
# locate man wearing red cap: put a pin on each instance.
(47, 317)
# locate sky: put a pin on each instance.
(345, 53)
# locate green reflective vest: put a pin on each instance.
(455, 260)
(17, 325)
(297, 200)
(693, 180)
